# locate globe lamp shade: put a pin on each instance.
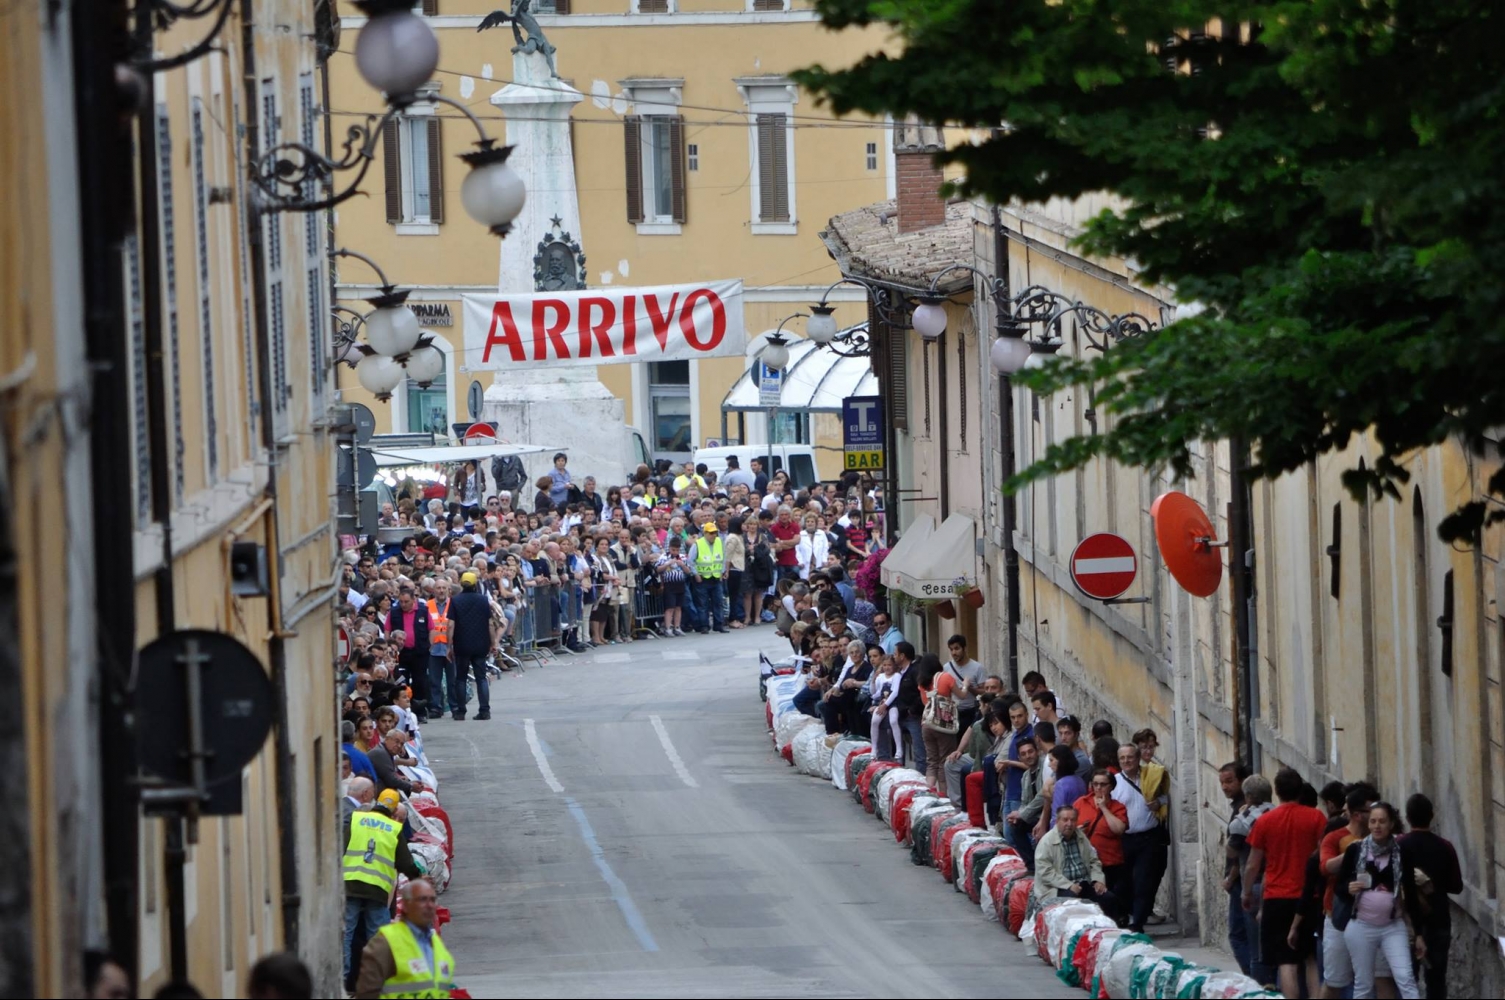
(392, 330)
(396, 52)
(929, 318)
(776, 353)
(379, 375)
(1009, 354)
(492, 193)
(425, 364)
(822, 325)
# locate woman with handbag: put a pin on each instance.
(1375, 906)
(940, 724)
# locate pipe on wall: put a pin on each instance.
(1006, 449)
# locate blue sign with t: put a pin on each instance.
(862, 435)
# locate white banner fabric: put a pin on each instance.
(604, 326)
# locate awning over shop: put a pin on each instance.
(930, 560)
(816, 380)
(391, 457)
(907, 552)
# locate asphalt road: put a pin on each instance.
(624, 828)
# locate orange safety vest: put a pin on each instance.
(438, 624)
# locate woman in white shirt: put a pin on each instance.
(814, 547)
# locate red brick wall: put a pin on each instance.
(919, 182)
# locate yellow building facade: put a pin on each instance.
(1373, 649)
(167, 380)
(712, 67)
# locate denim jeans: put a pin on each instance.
(438, 677)
(1243, 937)
(912, 728)
(710, 599)
(366, 915)
(458, 671)
(694, 609)
(734, 594)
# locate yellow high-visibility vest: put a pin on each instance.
(415, 976)
(709, 559)
(371, 854)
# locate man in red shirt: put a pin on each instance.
(1280, 844)
(786, 533)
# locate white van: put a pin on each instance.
(798, 459)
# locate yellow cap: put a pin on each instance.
(469, 578)
(389, 798)
(710, 527)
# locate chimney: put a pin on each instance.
(918, 179)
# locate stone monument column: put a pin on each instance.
(565, 407)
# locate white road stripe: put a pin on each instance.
(674, 758)
(543, 762)
(1116, 564)
(680, 654)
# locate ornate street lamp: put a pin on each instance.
(396, 346)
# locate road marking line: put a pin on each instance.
(543, 762)
(630, 912)
(612, 657)
(680, 654)
(674, 758)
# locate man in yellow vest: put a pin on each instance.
(690, 476)
(408, 958)
(710, 575)
(374, 855)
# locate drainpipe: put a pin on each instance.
(1241, 577)
(287, 799)
(106, 200)
(1006, 447)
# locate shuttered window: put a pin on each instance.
(653, 6)
(430, 8)
(654, 147)
(168, 217)
(271, 126)
(206, 301)
(313, 260)
(773, 167)
(551, 6)
(140, 438)
(413, 162)
(770, 5)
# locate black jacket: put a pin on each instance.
(908, 701)
(470, 623)
(420, 628)
(386, 771)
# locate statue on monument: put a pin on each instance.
(520, 18)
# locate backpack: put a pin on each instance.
(508, 473)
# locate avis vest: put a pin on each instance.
(371, 854)
(709, 559)
(438, 624)
(414, 976)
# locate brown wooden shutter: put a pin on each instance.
(391, 158)
(677, 165)
(768, 4)
(773, 169)
(430, 8)
(897, 387)
(632, 131)
(436, 169)
(561, 6)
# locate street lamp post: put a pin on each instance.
(775, 354)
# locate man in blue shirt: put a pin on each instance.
(360, 764)
(889, 637)
(1020, 732)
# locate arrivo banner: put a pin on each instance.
(604, 326)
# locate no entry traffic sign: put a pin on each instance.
(480, 432)
(1103, 565)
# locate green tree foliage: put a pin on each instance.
(1327, 177)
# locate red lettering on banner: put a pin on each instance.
(501, 313)
(601, 331)
(718, 319)
(540, 331)
(629, 324)
(661, 321)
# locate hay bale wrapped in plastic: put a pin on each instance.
(940, 842)
(1003, 866)
(418, 800)
(1189, 981)
(803, 748)
(1017, 901)
(1228, 985)
(1155, 975)
(1032, 931)
(429, 857)
(789, 726)
(973, 836)
(920, 828)
(1105, 952)
(856, 764)
(1082, 955)
(907, 806)
(1117, 977)
(979, 856)
(423, 774)
(839, 755)
(1062, 926)
(864, 790)
(892, 784)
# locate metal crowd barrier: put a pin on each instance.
(648, 612)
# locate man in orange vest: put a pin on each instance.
(438, 606)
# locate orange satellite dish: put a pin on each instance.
(1188, 543)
